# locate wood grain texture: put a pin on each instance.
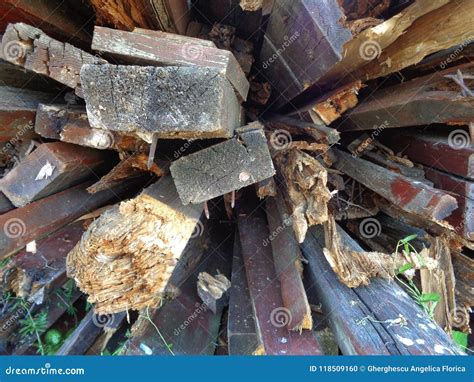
(135, 99)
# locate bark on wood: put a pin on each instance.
(454, 155)
(126, 257)
(305, 190)
(241, 331)
(414, 103)
(265, 291)
(17, 112)
(51, 168)
(287, 259)
(70, 124)
(32, 49)
(40, 218)
(413, 197)
(225, 167)
(149, 49)
(376, 319)
(133, 99)
(463, 267)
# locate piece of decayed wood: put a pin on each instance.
(40, 272)
(411, 196)
(287, 259)
(265, 292)
(212, 290)
(51, 168)
(414, 103)
(126, 257)
(150, 49)
(136, 99)
(32, 49)
(224, 167)
(18, 111)
(241, 331)
(40, 218)
(70, 124)
(379, 318)
(266, 187)
(452, 153)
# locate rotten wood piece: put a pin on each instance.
(413, 197)
(303, 40)
(304, 188)
(288, 267)
(51, 168)
(126, 257)
(40, 218)
(266, 187)
(265, 291)
(150, 49)
(32, 49)
(70, 124)
(225, 167)
(463, 267)
(167, 15)
(185, 325)
(39, 273)
(414, 103)
(134, 99)
(380, 318)
(241, 331)
(212, 290)
(18, 111)
(453, 153)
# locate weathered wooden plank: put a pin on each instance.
(51, 168)
(309, 38)
(17, 112)
(15, 76)
(70, 124)
(36, 220)
(186, 326)
(224, 167)
(173, 37)
(213, 291)
(32, 49)
(265, 291)
(38, 273)
(155, 218)
(376, 319)
(411, 196)
(453, 154)
(433, 98)
(170, 16)
(241, 332)
(287, 260)
(118, 97)
(150, 49)
(5, 204)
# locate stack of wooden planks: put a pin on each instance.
(256, 177)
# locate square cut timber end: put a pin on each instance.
(224, 167)
(51, 168)
(167, 102)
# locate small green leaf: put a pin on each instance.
(460, 338)
(409, 238)
(405, 268)
(429, 297)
